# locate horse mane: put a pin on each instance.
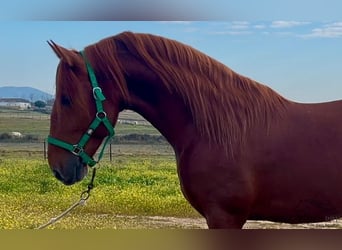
(224, 105)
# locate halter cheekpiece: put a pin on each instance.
(100, 117)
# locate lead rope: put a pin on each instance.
(83, 198)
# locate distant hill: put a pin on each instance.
(28, 93)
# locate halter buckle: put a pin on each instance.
(77, 150)
(97, 94)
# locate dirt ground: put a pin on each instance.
(199, 223)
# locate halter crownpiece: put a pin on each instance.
(100, 117)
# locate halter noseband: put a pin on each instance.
(101, 117)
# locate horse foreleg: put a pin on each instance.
(219, 218)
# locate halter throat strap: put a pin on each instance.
(100, 118)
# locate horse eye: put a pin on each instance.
(65, 101)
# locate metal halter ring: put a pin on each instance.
(101, 115)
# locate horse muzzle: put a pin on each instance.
(71, 171)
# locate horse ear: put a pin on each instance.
(63, 53)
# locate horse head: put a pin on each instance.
(79, 121)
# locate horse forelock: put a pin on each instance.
(224, 105)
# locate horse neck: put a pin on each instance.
(164, 110)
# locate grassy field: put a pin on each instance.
(130, 187)
(38, 124)
(140, 183)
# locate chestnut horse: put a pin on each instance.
(243, 152)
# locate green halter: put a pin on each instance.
(101, 117)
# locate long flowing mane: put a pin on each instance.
(224, 105)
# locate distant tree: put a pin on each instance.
(39, 104)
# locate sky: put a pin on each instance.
(248, 10)
(300, 59)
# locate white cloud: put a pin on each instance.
(331, 30)
(234, 28)
(239, 25)
(299, 29)
(259, 26)
(232, 32)
(287, 24)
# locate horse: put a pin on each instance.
(243, 151)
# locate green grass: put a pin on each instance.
(141, 181)
(35, 123)
(39, 127)
(124, 129)
(24, 121)
(130, 186)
